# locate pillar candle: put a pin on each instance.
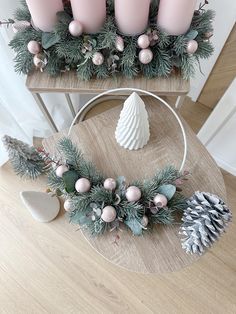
(43, 13)
(90, 13)
(175, 16)
(132, 16)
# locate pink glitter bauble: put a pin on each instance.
(34, 47)
(108, 214)
(209, 34)
(75, 28)
(61, 170)
(160, 200)
(192, 46)
(120, 44)
(110, 184)
(143, 41)
(133, 194)
(144, 221)
(82, 185)
(145, 56)
(98, 58)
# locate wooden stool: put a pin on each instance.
(159, 251)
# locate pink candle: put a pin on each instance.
(43, 13)
(90, 13)
(175, 16)
(132, 16)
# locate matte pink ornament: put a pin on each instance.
(160, 200)
(144, 221)
(67, 206)
(34, 47)
(110, 184)
(83, 185)
(143, 41)
(61, 170)
(145, 56)
(108, 214)
(192, 46)
(120, 46)
(75, 28)
(133, 194)
(98, 58)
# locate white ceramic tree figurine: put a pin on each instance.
(132, 130)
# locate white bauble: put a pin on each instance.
(132, 130)
(61, 170)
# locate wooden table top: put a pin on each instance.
(68, 82)
(159, 251)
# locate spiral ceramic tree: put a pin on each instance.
(132, 130)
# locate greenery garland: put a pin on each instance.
(62, 52)
(105, 204)
(86, 208)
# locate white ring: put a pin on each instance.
(142, 92)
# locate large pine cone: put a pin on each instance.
(204, 221)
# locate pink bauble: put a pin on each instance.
(192, 46)
(61, 170)
(20, 26)
(110, 184)
(143, 41)
(133, 194)
(209, 34)
(34, 47)
(108, 214)
(98, 58)
(40, 61)
(160, 200)
(82, 185)
(67, 205)
(145, 56)
(144, 221)
(75, 28)
(120, 44)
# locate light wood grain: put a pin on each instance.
(222, 74)
(49, 268)
(160, 251)
(69, 83)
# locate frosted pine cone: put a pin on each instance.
(204, 221)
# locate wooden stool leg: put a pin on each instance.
(70, 104)
(45, 111)
(179, 101)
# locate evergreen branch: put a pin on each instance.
(164, 216)
(168, 175)
(55, 183)
(70, 152)
(25, 159)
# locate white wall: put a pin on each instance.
(219, 131)
(223, 24)
(56, 103)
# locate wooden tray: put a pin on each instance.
(161, 250)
